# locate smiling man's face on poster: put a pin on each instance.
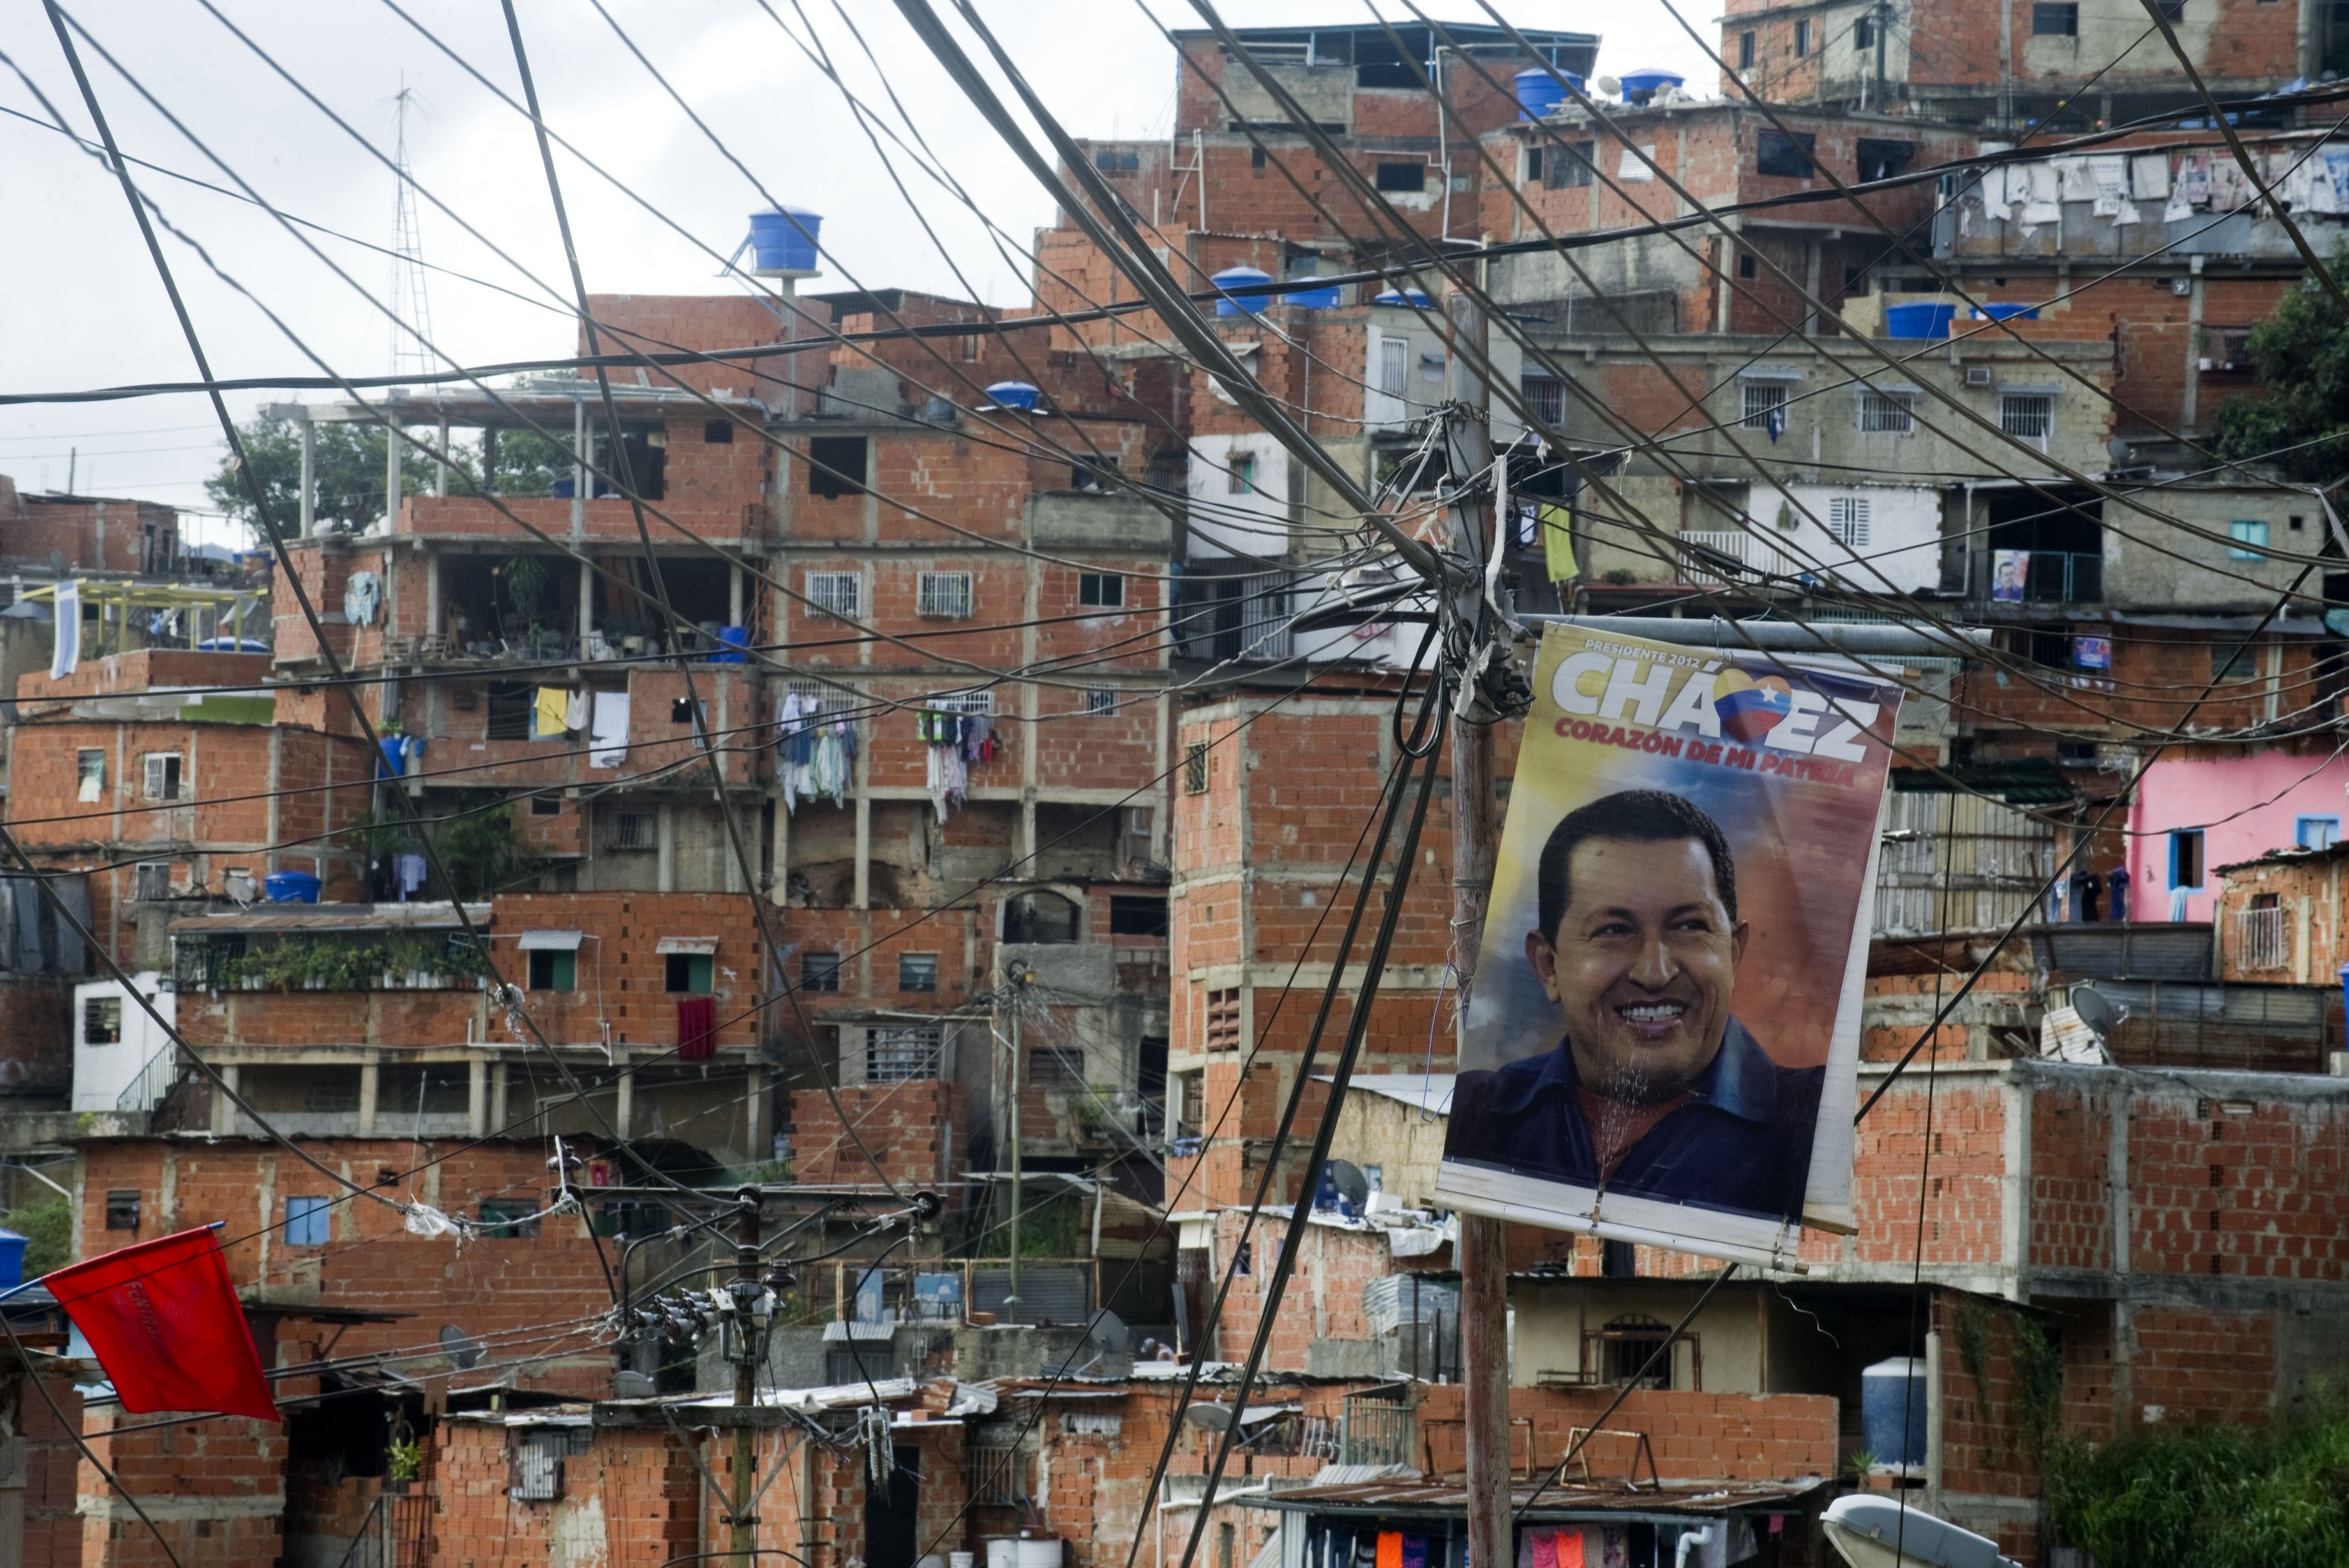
(1669, 948)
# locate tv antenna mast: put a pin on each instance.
(410, 302)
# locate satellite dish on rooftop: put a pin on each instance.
(1214, 1418)
(1109, 1335)
(2120, 451)
(2097, 1009)
(58, 564)
(461, 1348)
(1352, 1184)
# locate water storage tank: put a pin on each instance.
(1404, 296)
(1328, 297)
(1925, 320)
(1539, 94)
(1013, 395)
(1037, 1551)
(1638, 87)
(782, 240)
(1893, 1411)
(12, 1259)
(1002, 1551)
(1240, 278)
(291, 887)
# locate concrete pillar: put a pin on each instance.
(391, 460)
(624, 1107)
(477, 1098)
(579, 480)
(371, 1083)
(431, 591)
(223, 1111)
(665, 834)
(501, 1116)
(755, 1136)
(2190, 401)
(586, 605)
(309, 478)
(440, 464)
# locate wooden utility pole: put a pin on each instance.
(1476, 831)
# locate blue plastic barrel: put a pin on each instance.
(1992, 311)
(291, 887)
(1539, 94)
(1918, 320)
(782, 240)
(1893, 1411)
(395, 756)
(1013, 395)
(1240, 278)
(731, 641)
(1326, 298)
(12, 1260)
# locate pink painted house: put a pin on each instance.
(2193, 815)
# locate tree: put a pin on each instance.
(347, 474)
(348, 470)
(2302, 352)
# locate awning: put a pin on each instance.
(685, 944)
(551, 940)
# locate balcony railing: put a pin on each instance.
(2263, 940)
(154, 1081)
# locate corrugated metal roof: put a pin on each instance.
(1430, 1092)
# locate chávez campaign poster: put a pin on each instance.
(1664, 1030)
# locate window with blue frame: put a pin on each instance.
(2186, 858)
(2250, 537)
(2317, 833)
(305, 1221)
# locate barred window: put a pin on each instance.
(2030, 415)
(1394, 364)
(901, 1055)
(840, 593)
(1887, 413)
(820, 972)
(628, 831)
(1100, 701)
(1051, 1066)
(1195, 768)
(962, 702)
(161, 770)
(918, 971)
(150, 881)
(1544, 398)
(1759, 399)
(101, 1021)
(943, 595)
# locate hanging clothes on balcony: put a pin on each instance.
(407, 873)
(548, 711)
(977, 737)
(697, 1028)
(608, 734)
(815, 758)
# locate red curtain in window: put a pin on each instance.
(697, 1028)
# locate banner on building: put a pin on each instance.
(1663, 1035)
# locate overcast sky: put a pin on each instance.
(81, 306)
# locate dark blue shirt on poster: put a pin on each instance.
(1742, 1142)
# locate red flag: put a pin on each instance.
(164, 1321)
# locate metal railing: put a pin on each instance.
(1376, 1428)
(154, 1081)
(2263, 940)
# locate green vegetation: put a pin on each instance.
(2209, 1497)
(2302, 352)
(347, 464)
(347, 963)
(47, 1226)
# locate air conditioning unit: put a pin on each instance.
(1977, 375)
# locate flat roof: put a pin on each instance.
(437, 915)
(1446, 1496)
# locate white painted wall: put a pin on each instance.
(102, 1072)
(1223, 524)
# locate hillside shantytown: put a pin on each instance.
(518, 923)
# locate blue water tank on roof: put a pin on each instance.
(1638, 87)
(1013, 395)
(1404, 296)
(1241, 278)
(1540, 94)
(783, 240)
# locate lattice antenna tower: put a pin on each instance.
(409, 299)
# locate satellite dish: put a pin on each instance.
(58, 564)
(2120, 451)
(1607, 85)
(1214, 1418)
(2095, 1009)
(462, 1349)
(1110, 1336)
(1352, 1184)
